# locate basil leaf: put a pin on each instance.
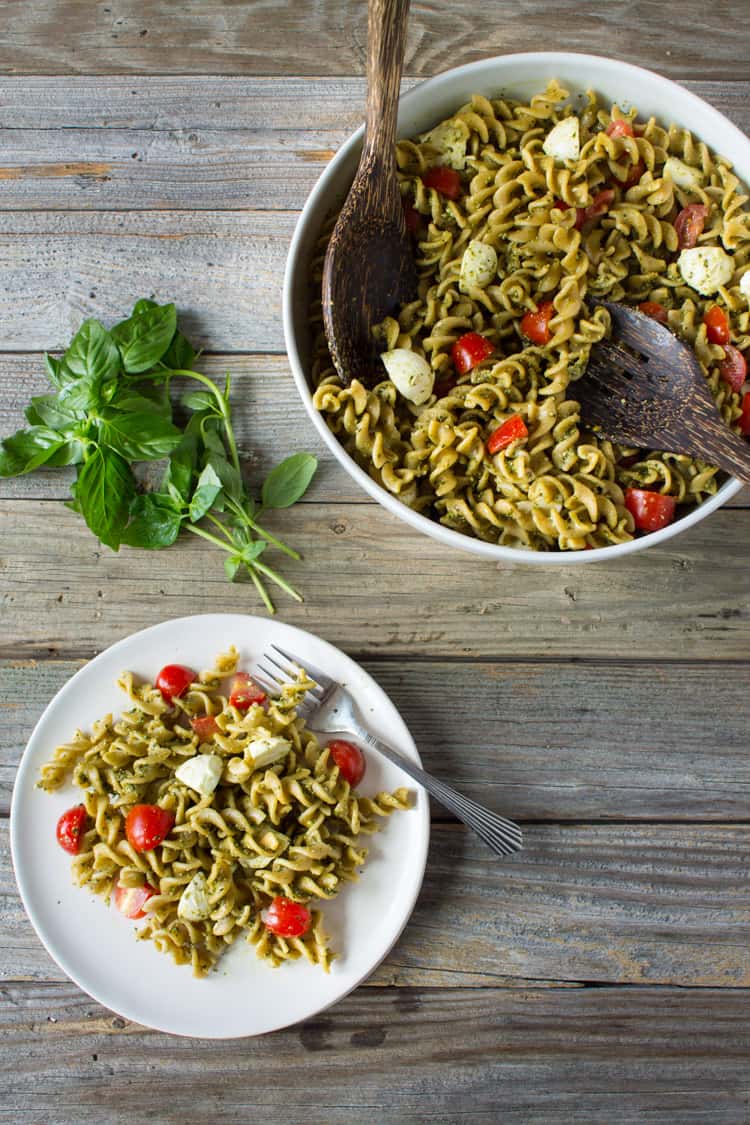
(47, 410)
(140, 437)
(206, 491)
(81, 396)
(181, 467)
(231, 566)
(230, 479)
(200, 400)
(26, 450)
(92, 354)
(105, 489)
(70, 453)
(253, 550)
(143, 305)
(180, 355)
(155, 522)
(285, 484)
(144, 337)
(57, 372)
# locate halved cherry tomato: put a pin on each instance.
(131, 900)
(286, 918)
(535, 325)
(174, 680)
(717, 325)
(469, 350)
(244, 692)
(601, 202)
(654, 310)
(412, 217)
(205, 726)
(147, 825)
(745, 416)
(689, 224)
(70, 829)
(445, 180)
(350, 760)
(620, 128)
(733, 367)
(650, 510)
(508, 431)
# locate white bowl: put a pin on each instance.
(518, 76)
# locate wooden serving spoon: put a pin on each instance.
(644, 387)
(369, 266)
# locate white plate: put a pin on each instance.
(96, 946)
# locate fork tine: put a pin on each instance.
(287, 674)
(319, 677)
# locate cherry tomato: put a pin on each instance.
(634, 175)
(70, 828)
(601, 202)
(205, 726)
(733, 368)
(469, 350)
(620, 128)
(350, 760)
(650, 510)
(286, 918)
(654, 310)
(244, 692)
(689, 224)
(445, 180)
(131, 900)
(412, 217)
(535, 325)
(174, 680)
(147, 825)
(717, 325)
(745, 416)
(508, 431)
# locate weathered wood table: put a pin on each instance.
(604, 973)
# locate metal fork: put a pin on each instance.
(329, 708)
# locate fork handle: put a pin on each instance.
(503, 836)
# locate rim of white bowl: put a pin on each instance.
(489, 71)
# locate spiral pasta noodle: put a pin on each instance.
(561, 487)
(292, 827)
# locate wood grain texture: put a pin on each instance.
(531, 740)
(268, 418)
(309, 37)
(631, 904)
(675, 602)
(542, 1055)
(195, 144)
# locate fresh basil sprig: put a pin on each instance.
(111, 408)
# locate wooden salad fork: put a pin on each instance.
(644, 387)
(329, 708)
(369, 269)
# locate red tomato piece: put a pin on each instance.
(654, 310)
(561, 205)
(650, 510)
(745, 416)
(131, 900)
(412, 217)
(733, 368)
(444, 387)
(286, 918)
(508, 431)
(601, 202)
(620, 128)
(535, 325)
(689, 224)
(717, 325)
(350, 760)
(205, 726)
(634, 175)
(244, 692)
(470, 350)
(147, 825)
(174, 680)
(445, 180)
(70, 828)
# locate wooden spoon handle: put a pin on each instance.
(721, 446)
(386, 39)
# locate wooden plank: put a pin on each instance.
(561, 741)
(309, 38)
(97, 143)
(365, 592)
(628, 904)
(620, 1056)
(268, 418)
(223, 269)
